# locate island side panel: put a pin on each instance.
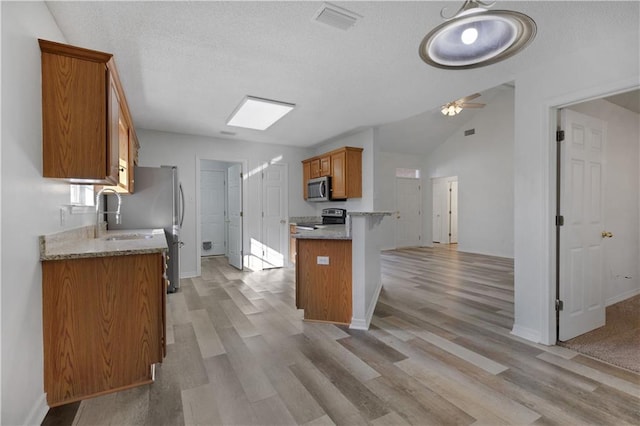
(324, 291)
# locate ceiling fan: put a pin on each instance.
(455, 107)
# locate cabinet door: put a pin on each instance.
(325, 166)
(338, 175)
(315, 168)
(113, 134)
(123, 160)
(102, 324)
(74, 112)
(306, 175)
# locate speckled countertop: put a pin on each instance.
(324, 232)
(80, 243)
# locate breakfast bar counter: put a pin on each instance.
(338, 270)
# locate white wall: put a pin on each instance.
(589, 72)
(483, 163)
(621, 197)
(185, 151)
(30, 207)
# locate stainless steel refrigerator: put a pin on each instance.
(157, 202)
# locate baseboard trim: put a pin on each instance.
(623, 296)
(363, 324)
(38, 412)
(526, 333)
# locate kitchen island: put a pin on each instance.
(338, 270)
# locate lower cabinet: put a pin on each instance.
(104, 324)
(323, 280)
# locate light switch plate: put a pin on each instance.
(322, 260)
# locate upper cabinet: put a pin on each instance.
(344, 165)
(84, 118)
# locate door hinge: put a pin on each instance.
(559, 135)
(240, 214)
(559, 220)
(559, 305)
(241, 175)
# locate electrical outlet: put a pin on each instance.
(322, 260)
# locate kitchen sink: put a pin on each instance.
(128, 237)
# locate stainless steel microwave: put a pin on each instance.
(319, 189)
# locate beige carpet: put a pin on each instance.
(618, 342)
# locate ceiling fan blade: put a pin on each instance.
(468, 98)
(472, 105)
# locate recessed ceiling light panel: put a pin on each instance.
(258, 114)
(477, 37)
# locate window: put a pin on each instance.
(408, 173)
(82, 195)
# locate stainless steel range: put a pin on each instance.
(334, 216)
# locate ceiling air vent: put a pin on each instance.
(336, 17)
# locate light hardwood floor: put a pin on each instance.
(439, 352)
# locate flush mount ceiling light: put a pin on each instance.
(475, 36)
(258, 114)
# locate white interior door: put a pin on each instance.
(438, 191)
(234, 196)
(274, 221)
(453, 212)
(445, 210)
(408, 212)
(581, 250)
(212, 212)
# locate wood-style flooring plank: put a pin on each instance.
(439, 352)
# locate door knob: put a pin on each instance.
(606, 234)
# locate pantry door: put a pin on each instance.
(581, 237)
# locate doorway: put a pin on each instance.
(445, 210)
(598, 234)
(219, 212)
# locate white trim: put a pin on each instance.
(526, 333)
(38, 412)
(621, 297)
(363, 324)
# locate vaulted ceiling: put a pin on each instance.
(185, 66)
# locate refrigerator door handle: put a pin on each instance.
(181, 205)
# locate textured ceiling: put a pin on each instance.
(185, 66)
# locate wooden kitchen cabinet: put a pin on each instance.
(306, 175)
(82, 103)
(104, 324)
(344, 165)
(320, 167)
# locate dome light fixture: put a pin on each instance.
(475, 36)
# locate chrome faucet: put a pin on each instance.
(116, 213)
